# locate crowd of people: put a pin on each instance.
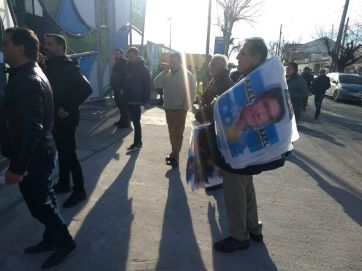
(39, 116)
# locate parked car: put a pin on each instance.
(345, 86)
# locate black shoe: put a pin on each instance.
(74, 199)
(134, 147)
(59, 255)
(214, 187)
(167, 158)
(172, 162)
(256, 237)
(123, 125)
(43, 246)
(61, 188)
(230, 245)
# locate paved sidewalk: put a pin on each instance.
(140, 215)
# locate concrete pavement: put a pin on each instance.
(140, 215)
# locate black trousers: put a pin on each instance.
(65, 141)
(41, 201)
(297, 107)
(135, 113)
(121, 103)
(318, 99)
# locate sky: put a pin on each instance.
(300, 21)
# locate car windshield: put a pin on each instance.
(350, 79)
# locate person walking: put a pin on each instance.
(26, 121)
(308, 77)
(319, 87)
(138, 93)
(179, 88)
(71, 89)
(238, 189)
(297, 87)
(118, 84)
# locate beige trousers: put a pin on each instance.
(176, 125)
(240, 204)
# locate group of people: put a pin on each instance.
(39, 115)
(303, 85)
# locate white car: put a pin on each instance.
(345, 86)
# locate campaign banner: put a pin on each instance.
(254, 120)
(200, 169)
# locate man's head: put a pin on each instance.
(218, 64)
(54, 45)
(118, 53)
(132, 54)
(267, 108)
(322, 72)
(291, 69)
(20, 45)
(253, 53)
(175, 61)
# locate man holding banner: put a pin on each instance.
(239, 193)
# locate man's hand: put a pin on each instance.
(62, 114)
(12, 178)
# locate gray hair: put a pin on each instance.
(221, 59)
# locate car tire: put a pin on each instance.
(336, 96)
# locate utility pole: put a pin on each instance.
(208, 31)
(130, 23)
(226, 30)
(344, 33)
(170, 19)
(280, 40)
(340, 32)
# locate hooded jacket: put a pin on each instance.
(70, 87)
(138, 86)
(26, 117)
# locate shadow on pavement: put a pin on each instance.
(319, 134)
(178, 246)
(106, 229)
(254, 258)
(350, 201)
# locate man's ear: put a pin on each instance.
(20, 49)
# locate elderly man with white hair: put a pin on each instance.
(219, 83)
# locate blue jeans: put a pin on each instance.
(40, 198)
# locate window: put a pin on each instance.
(33, 7)
(351, 79)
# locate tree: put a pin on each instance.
(233, 12)
(350, 50)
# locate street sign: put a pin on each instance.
(219, 45)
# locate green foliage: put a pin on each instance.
(80, 44)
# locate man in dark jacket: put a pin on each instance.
(26, 121)
(319, 87)
(118, 84)
(297, 88)
(239, 193)
(70, 89)
(308, 77)
(138, 93)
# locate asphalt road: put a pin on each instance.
(140, 215)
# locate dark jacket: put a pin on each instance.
(297, 86)
(320, 85)
(138, 89)
(308, 77)
(26, 116)
(119, 74)
(217, 86)
(70, 87)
